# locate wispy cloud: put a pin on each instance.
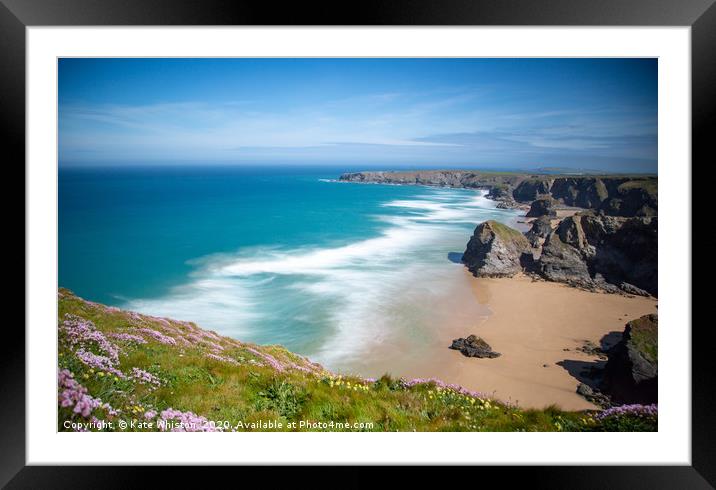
(488, 123)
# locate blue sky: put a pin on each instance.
(492, 113)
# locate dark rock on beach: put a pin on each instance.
(592, 395)
(631, 373)
(495, 250)
(591, 349)
(474, 346)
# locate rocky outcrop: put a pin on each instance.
(631, 373)
(509, 204)
(592, 395)
(541, 228)
(560, 262)
(614, 196)
(531, 188)
(594, 251)
(628, 255)
(587, 250)
(495, 250)
(500, 192)
(583, 192)
(632, 198)
(544, 206)
(474, 346)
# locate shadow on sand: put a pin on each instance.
(610, 340)
(591, 373)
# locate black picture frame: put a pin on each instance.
(16, 15)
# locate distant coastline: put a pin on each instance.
(612, 194)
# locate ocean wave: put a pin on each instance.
(333, 303)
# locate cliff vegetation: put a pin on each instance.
(123, 371)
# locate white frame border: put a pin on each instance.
(671, 445)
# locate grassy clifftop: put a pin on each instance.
(507, 234)
(122, 371)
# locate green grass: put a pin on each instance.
(243, 388)
(650, 186)
(644, 335)
(508, 234)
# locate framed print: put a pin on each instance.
(410, 236)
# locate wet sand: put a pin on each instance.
(534, 325)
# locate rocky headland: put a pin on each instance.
(596, 232)
(587, 250)
(612, 195)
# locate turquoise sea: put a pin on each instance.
(271, 255)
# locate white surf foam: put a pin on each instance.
(358, 293)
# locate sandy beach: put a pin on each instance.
(531, 325)
(538, 327)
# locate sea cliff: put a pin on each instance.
(614, 195)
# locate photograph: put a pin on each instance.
(357, 244)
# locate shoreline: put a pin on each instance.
(531, 323)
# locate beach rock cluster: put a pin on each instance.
(592, 349)
(593, 395)
(474, 346)
(610, 246)
(587, 250)
(631, 373)
(495, 250)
